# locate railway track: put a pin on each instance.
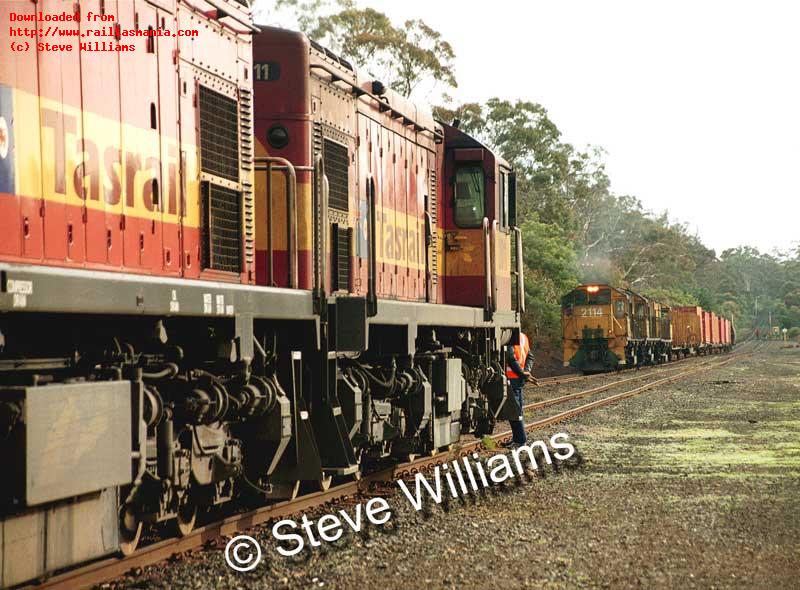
(599, 389)
(572, 377)
(114, 567)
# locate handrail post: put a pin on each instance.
(270, 252)
(320, 226)
(323, 234)
(487, 259)
(372, 297)
(520, 272)
(495, 286)
(291, 211)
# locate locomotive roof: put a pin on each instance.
(397, 102)
(458, 139)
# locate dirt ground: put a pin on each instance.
(691, 485)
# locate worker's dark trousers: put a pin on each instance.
(518, 426)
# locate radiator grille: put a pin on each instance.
(336, 163)
(340, 274)
(219, 134)
(221, 228)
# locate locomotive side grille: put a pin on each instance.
(340, 273)
(317, 213)
(336, 168)
(434, 253)
(246, 141)
(221, 227)
(317, 137)
(219, 134)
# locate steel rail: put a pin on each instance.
(560, 417)
(599, 389)
(113, 567)
(569, 377)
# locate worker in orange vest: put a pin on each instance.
(519, 363)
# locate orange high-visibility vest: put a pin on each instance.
(521, 351)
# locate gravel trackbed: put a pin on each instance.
(694, 484)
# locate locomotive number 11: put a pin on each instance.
(266, 71)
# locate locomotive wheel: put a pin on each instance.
(186, 517)
(130, 529)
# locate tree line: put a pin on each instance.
(575, 228)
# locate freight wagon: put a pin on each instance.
(694, 334)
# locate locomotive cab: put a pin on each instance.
(481, 237)
(595, 327)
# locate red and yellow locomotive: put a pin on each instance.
(228, 266)
(382, 159)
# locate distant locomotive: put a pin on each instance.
(607, 328)
(229, 266)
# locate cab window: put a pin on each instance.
(601, 297)
(584, 297)
(619, 308)
(469, 206)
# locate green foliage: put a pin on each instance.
(309, 13)
(794, 333)
(672, 297)
(402, 57)
(550, 271)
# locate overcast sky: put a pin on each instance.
(696, 102)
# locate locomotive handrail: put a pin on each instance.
(326, 187)
(268, 163)
(487, 270)
(495, 287)
(372, 296)
(321, 188)
(270, 251)
(430, 235)
(520, 272)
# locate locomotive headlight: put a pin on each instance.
(592, 289)
(278, 136)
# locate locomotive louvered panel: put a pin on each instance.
(318, 211)
(246, 139)
(341, 257)
(336, 168)
(434, 212)
(222, 228)
(219, 134)
(317, 137)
